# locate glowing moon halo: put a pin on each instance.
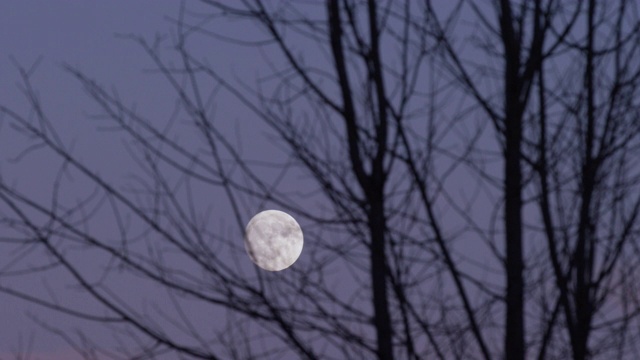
(273, 240)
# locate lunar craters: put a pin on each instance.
(273, 239)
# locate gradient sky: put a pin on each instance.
(81, 34)
(87, 36)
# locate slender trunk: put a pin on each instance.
(381, 318)
(373, 183)
(584, 248)
(514, 331)
(514, 337)
(377, 217)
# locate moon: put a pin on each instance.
(273, 240)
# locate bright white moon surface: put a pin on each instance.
(273, 240)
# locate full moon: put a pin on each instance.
(273, 240)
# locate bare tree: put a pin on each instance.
(567, 165)
(521, 31)
(588, 195)
(376, 104)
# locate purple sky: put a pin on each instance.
(82, 34)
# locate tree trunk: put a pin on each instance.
(514, 330)
(381, 319)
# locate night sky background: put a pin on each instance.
(81, 34)
(56, 42)
(93, 38)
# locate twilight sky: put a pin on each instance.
(87, 36)
(84, 36)
(172, 219)
(81, 34)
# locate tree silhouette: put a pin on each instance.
(407, 124)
